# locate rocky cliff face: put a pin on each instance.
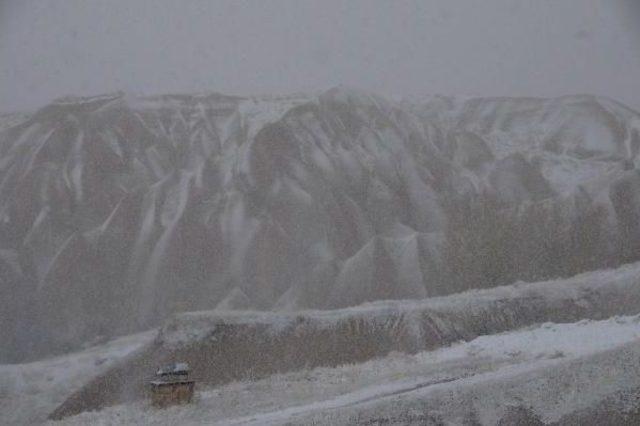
(116, 211)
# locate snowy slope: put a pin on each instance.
(117, 211)
(542, 367)
(12, 119)
(230, 346)
(29, 392)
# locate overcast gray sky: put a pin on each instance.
(51, 48)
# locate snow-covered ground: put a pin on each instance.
(508, 357)
(596, 295)
(29, 392)
(553, 368)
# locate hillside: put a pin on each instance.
(248, 346)
(117, 211)
(564, 351)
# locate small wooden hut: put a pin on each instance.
(172, 386)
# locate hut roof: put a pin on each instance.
(177, 368)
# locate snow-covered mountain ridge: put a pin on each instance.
(117, 210)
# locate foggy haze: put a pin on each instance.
(320, 212)
(50, 49)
